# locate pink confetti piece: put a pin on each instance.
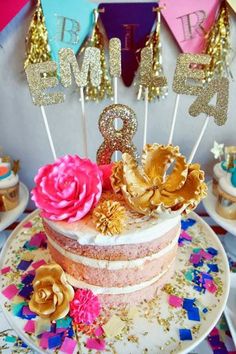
(30, 326)
(175, 301)
(28, 225)
(195, 258)
(68, 346)
(99, 331)
(210, 286)
(186, 236)
(5, 270)
(37, 239)
(214, 332)
(26, 311)
(38, 264)
(10, 291)
(95, 343)
(206, 255)
(44, 339)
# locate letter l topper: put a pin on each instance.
(189, 21)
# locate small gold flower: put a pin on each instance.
(109, 217)
(52, 294)
(117, 176)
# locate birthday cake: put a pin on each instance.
(9, 184)
(114, 228)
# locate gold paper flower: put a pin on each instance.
(149, 189)
(52, 294)
(117, 176)
(109, 217)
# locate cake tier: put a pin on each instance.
(114, 272)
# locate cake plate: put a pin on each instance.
(230, 225)
(151, 327)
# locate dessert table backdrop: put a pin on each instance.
(22, 133)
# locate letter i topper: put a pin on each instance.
(68, 23)
(189, 21)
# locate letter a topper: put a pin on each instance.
(188, 79)
(189, 21)
(68, 23)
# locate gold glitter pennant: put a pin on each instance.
(190, 67)
(90, 68)
(201, 104)
(104, 89)
(115, 57)
(38, 82)
(37, 47)
(116, 140)
(218, 44)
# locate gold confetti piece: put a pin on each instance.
(38, 82)
(113, 327)
(115, 57)
(190, 67)
(201, 104)
(90, 68)
(132, 313)
(116, 140)
(42, 325)
(37, 47)
(28, 256)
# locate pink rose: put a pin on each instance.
(85, 307)
(68, 188)
(106, 173)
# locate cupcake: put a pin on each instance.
(9, 184)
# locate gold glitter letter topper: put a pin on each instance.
(91, 67)
(115, 57)
(201, 104)
(190, 67)
(116, 140)
(38, 82)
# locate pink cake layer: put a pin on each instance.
(114, 252)
(114, 277)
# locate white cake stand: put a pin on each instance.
(151, 335)
(230, 225)
(8, 217)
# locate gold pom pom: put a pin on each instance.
(109, 217)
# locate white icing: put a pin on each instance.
(112, 265)
(218, 171)
(9, 181)
(143, 229)
(115, 290)
(226, 185)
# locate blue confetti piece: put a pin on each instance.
(212, 251)
(193, 314)
(26, 291)
(185, 224)
(199, 289)
(28, 279)
(71, 332)
(205, 310)
(199, 264)
(24, 265)
(188, 304)
(54, 342)
(185, 334)
(213, 268)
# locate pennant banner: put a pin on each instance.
(68, 23)
(9, 9)
(132, 24)
(189, 21)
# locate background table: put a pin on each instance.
(10, 342)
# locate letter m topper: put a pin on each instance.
(68, 23)
(189, 21)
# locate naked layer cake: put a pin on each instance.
(114, 229)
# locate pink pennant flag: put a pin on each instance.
(190, 21)
(8, 10)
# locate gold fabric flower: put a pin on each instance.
(117, 176)
(109, 217)
(52, 294)
(152, 189)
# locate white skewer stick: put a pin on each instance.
(84, 123)
(48, 132)
(191, 157)
(145, 118)
(174, 119)
(115, 84)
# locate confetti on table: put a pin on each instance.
(24, 265)
(5, 270)
(37, 240)
(63, 322)
(99, 332)
(68, 346)
(185, 334)
(27, 279)
(29, 327)
(185, 224)
(42, 325)
(26, 291)
(27, 314)
(10, 291)
(175, 301)
(28, 225)
(54, 342)
(213, 268)
(95, 343)
(113, 327)
(38, 264)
